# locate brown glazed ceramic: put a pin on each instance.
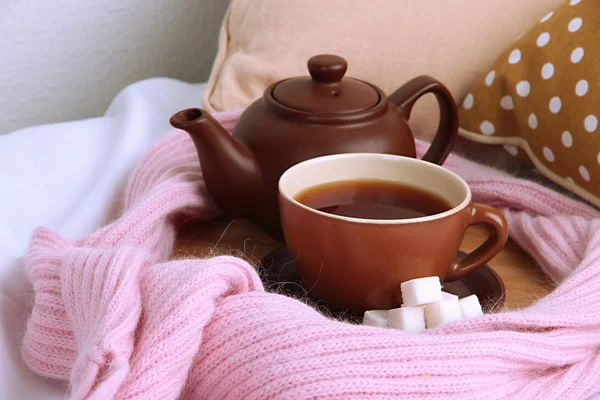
(280, 275)
(358, 264)
(305, 117)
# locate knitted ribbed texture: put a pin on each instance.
(117, 320)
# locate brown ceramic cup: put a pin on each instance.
(358, 264)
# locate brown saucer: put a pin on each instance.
(279, 274)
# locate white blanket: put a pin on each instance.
(64, 176)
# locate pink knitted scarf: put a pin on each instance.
(116, 319)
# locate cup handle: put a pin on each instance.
(407, 95)
(492, 217)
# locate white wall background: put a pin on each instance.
(66, 59)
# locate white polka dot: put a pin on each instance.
(532, 121)
(590, 123)
(547, 16)
(507, 103)
(547, 71)
(543, 39)
(585, 174)
(548, 154)
(598, 158)
(570, 179)
(581, 88)
(514, 57)
(512, 150)
(468, 103)
(577, 55)
(523, 88)
(489, 78)
(487, 128)
(573, 2)
(567, 139)
(575, 24)
(555, 104)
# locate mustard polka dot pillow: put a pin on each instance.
(541, 99)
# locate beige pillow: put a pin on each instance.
(541, 99)
(386, 42)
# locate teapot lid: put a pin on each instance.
(325, 91)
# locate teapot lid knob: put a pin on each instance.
(325, 91)
(327, 68)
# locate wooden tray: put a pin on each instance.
(524, 281)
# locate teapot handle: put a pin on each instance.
(406, 97)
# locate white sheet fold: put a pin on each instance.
(65, 176)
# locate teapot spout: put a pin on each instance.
(229, 168)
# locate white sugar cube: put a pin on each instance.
(421, 307)
(421, 291)
(449, 296)
(470, 307)
(409, 319)
(442, 312)
(375, 318)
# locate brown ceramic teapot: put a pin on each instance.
(302, 118)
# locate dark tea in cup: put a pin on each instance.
(373, 199)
